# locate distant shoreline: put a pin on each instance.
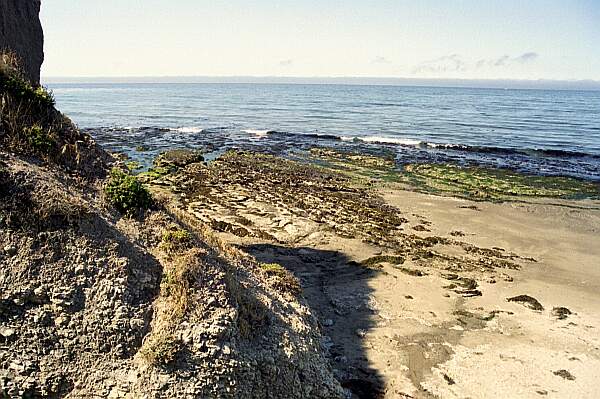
(510, 84)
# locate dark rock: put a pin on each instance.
(178, 158)
(561, 313)
(21, 32)
(565, 374)
(527, 301)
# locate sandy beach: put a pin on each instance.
(417, 295)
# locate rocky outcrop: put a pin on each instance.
(21, 32)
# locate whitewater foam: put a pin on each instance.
(187, 129)
(257, 132)
(383, 140)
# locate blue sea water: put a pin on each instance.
(534, 131)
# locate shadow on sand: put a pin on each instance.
(337, 291)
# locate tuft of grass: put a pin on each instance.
(283, 279)
(176, 298)
(126, 193)
(160, 350)
(22, 90)
(177, 239)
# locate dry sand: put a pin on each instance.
(415, 338)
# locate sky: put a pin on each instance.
(451, 39)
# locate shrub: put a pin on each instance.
(23, 90)
(126, 193)
(38, 139)
(175, 239)
(134, 165)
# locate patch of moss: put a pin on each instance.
(153, 174)
(126, 193)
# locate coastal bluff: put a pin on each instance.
(21, 32)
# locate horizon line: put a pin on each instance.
(557, 84)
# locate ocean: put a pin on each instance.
(545, 132)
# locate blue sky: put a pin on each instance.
(525, 39)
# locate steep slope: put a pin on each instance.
(96, 303)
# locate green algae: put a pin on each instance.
(495, 184)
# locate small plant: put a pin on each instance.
(38, 139)
(273, 269)
(23, 90)
(43, 96)
(134, 165)
(284, 279)
(176, 239)
(126, 193)
(176, 236)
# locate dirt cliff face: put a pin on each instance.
(21, 32)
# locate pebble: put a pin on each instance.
(7, 332)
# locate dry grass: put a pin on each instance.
(176, 295)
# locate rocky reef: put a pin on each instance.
(21, 33)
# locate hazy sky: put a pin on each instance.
(508, 39)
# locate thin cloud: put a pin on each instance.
(501, 61)
(527, 57)
(447, 63)
(506, 60)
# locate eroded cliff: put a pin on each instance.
(21, 32)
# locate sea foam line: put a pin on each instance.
(188, 129)
(257, 132)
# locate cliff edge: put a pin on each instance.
(21, 33)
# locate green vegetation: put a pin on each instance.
(39, 139)
(283, 279)
(134, 165)
(126, 193)
(22, 90)
(174, 240)
(176, 297)
(153, 174)
(494, 184)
